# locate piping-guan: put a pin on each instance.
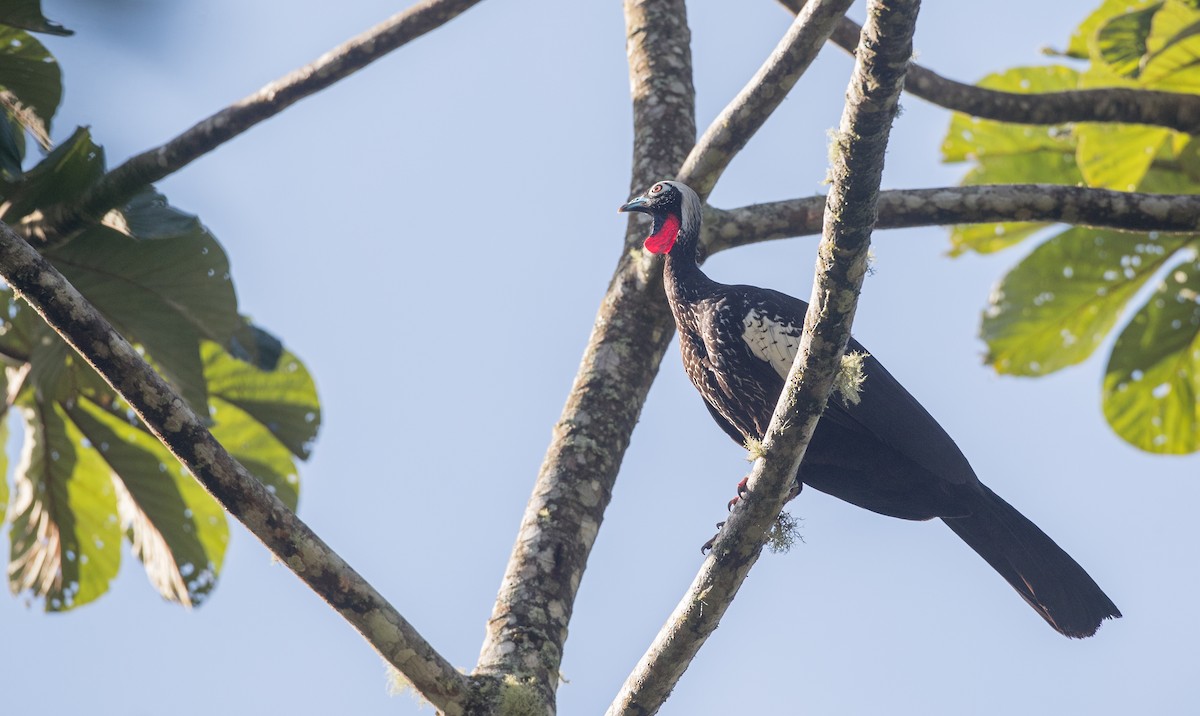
(885, 453)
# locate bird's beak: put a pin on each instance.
(641, 203)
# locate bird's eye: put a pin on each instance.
(657, 188)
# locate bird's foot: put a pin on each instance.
(743, 489)
(704, 548)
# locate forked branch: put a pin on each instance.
(166, 414)
(872, 99)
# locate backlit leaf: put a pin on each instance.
(1117, 156)
(1152, 384)
(177, 529)
(1082, 37)
(1059, 303)
(1121, 41)
(66, 538)
(283, 400)
(1173, 49)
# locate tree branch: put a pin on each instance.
(743, 116)
(1172, 110)
(872, 99)
(173, 422)
(116, 187)
(528, 627)
(902, 208)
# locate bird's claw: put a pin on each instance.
(704, 548)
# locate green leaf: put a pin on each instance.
(166, 294)
(177, 529)
(1173, 59)
(62, 175)
(66, 539)
(12, 150)
(1082, 37)
(256, 346)
(283, 400)
(1059, 303)
(971, 138)
(30, 74)
(1117, 156)
(1045, 167)
(253, 445)
(989, 238)
(1121, 42)
(27, 14)
(56, 372)
(1152, 384)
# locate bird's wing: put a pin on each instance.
(886, 411)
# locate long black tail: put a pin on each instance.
(1041, 572)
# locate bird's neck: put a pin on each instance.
(684, 281)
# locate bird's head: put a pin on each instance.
(667, 203)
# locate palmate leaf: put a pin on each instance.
(1059, 303)
(165, 293)
(178, 530)
(1081, 42)
(283, 400)
(1172, 60)
(1011, 153)
(1152, 384)
(62, 175)
(1118, 156)
(28, 15)
(1051, 167)
(65, 535)
(29, 73)
(1120, 42)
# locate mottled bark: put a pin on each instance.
(902, 208)
(166, 414)
(118, 186)
(1172, 110)
(872, 99)
(528, 626)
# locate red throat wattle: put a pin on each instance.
(661, 241)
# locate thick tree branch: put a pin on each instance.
(1172, 110)
(872, 99)
(173, 422)
(902, 208)
(116, 187)
(633, 327)
(743, 116)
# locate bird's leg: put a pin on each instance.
(743, 489)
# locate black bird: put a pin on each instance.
(885, 453)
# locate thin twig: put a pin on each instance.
(872, 99)
(902, 208)
(528, 627)
(173, 422)
(1172, 110)
(116, 187)
(743, 116)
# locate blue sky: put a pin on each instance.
(432, 236)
